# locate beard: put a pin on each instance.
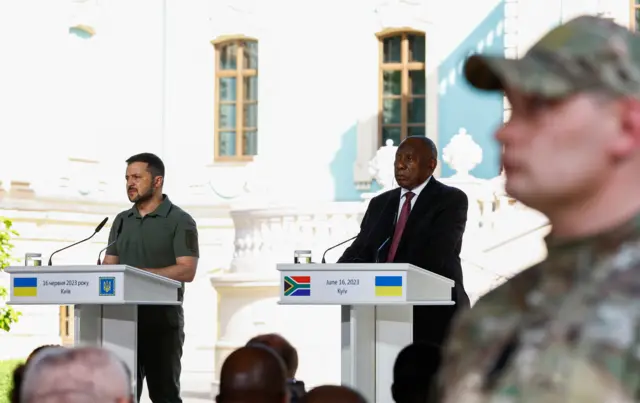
(141, 197)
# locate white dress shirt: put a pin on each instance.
(416, 192)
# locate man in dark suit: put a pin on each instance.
(422, 223)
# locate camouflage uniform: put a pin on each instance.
(566, 330)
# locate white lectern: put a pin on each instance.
(377, 314)
(106, 300)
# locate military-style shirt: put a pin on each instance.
(566, 330)
(155, 241)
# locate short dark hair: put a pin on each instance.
(429, 143)
(281, 347)
(154, 164)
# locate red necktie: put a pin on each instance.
(402, 222)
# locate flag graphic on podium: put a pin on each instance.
(297, 286)
(388, 286)
(25, 287)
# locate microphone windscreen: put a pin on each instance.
(101, 225)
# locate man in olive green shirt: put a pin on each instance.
(157, 236)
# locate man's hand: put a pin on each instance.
(111, 259)
(184, 270)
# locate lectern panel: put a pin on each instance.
(67, 288)
(342, 287)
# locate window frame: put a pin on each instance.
(633, 7)
(240, 74)
(404, 66)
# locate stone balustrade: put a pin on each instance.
(269, 236)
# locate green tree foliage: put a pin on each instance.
(8, 315)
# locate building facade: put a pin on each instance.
(274, 120)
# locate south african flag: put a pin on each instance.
(297, 286)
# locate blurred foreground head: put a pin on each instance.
(282, 347)
(253, 374)
(289, 355)
(414, 372)
(18, 373)
(78, 375)
(573, 138)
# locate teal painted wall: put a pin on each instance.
(79, 33)
(460, 105)
(342, 167)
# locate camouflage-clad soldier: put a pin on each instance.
(568, 329)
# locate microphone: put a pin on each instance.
(98, 228)
(395, 217)
(380, 249)
(335, 246)
(114, 241)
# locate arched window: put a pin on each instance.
(236, 98)
(402, 85)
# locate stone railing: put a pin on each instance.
(268, 236)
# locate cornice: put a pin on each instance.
(95, 207)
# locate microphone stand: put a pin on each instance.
(95, 231)
(335, 246)
(67, 247)
(380, 249)
(113, 242)
(102, 250)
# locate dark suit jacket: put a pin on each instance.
(431, 240)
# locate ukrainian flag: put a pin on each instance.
(388, 286)
(25, 286)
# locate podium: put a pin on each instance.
(106, 300)
(377, 312)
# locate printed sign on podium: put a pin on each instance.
(362, 284)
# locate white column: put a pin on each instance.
(393, 332)
(358, 335)
(120, 335)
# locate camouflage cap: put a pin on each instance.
(587, 53)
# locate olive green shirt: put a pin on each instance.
(155, 241)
